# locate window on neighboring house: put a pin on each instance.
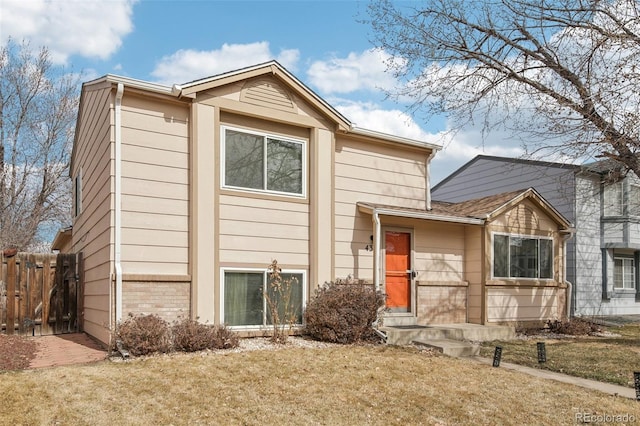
(263, 162)
(634, 200)
(613, 199)
(244, 300)
(522, 257)
(624, 273)
(77, 195)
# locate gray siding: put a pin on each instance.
(588, 291)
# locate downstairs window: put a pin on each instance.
(624, 273)
(244, 300)
(522, 257)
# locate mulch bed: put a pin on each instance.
(16, 352)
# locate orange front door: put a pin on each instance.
(398, 271)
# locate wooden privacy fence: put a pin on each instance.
(40, 293)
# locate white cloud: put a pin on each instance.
(87, 28)
(358, 71)
(188, 64)
(458, 147)
(391, 121)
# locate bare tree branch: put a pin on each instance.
(562, 74)
(38, 105)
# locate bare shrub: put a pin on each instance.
(224, 338)
(144, 334)
(282, 310)
(573, 327)
(191, 336)
(343, 312)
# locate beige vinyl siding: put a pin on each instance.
(352, 234)
(439, 262)
(519, 303)
(376, 173)
(255, 230)
(92, 228)
(439, 253)
(155, 187)
(473, 273)
(442, 304)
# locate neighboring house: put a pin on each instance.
(603, 257)
(184, 195)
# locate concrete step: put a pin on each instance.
(454, 348)
(405, 334)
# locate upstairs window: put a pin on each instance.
(261, 162)
(522, 257)
(634, 200)
(613, 203)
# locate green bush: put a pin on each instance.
(343, 312)
(144, 334)
(191, 336)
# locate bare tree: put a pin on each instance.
(563, 75)
(38, 104)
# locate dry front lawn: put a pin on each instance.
(349, 385)
(610, 358)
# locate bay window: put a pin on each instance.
(522, 257)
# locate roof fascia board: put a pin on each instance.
(392, 138)
(193, 88)
(416, 215)
(134, 84)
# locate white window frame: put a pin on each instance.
(532, 237)
(265, 273)
(265, 136)
(633, 207)
(633, 277)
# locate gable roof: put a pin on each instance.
(188, 91)
(482, 157)
(473, 212)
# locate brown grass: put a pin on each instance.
(348, 385)
(611, 359)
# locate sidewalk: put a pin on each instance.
(559, 377)
(66, 349)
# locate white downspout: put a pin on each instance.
(376, 251)
(566, 238)
(117, 239)
(428, 181)
(377, 272)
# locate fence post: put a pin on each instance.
(80, 292)
(11, 293)
(46, 296)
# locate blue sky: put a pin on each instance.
(324, 43)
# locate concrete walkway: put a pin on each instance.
(66, 349)
(564, 378)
